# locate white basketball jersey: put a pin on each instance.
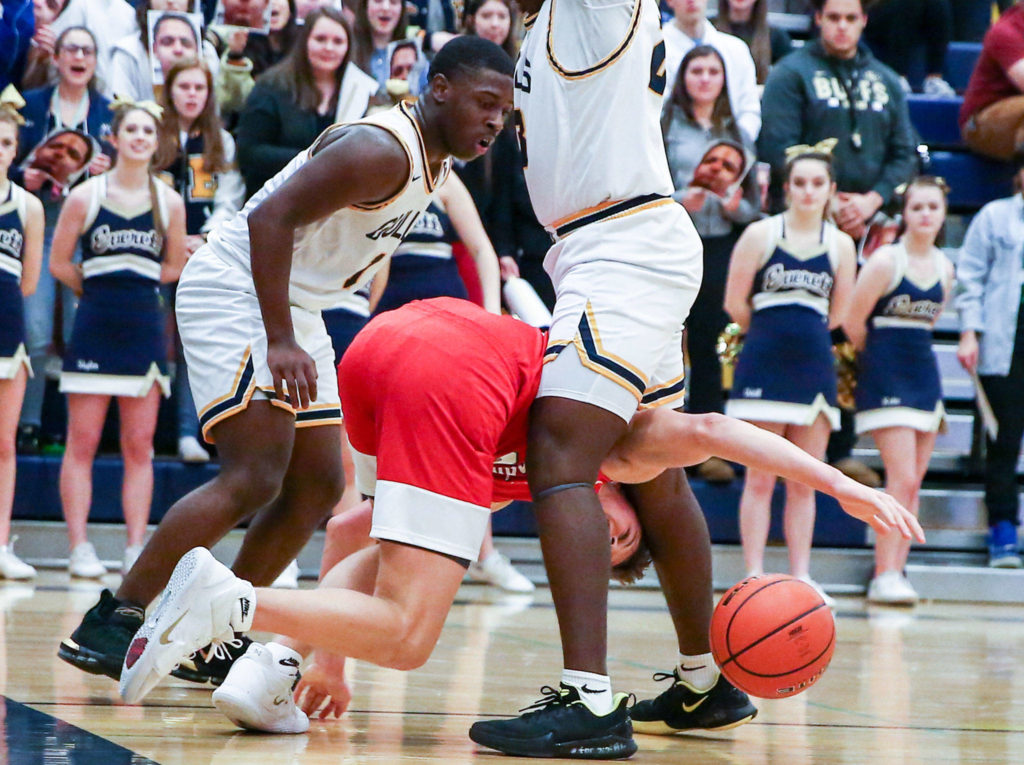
(343, 250)
(589, 80)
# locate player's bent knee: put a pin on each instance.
(248, 490)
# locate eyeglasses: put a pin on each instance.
(73, 50)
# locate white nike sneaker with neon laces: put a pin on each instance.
(203, 603)
(258, 693)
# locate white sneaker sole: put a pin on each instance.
(169, 635)
(246, 712)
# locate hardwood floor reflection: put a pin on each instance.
(942, 683)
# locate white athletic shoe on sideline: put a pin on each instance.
(829, 600)
(191, 451)
(13, 567)
(289, 578)
(84, 563)
(892, 588)
(258, 692)
(203, 602)
(498, 570)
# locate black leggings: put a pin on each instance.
(707, 319)
(1004, 393)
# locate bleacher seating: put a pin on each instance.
(960, 60)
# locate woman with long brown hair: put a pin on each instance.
(377, 23)
(314, 86)
(199, 156)
(696, 116)
(748, 20)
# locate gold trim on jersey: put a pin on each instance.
(429, 181)
(314, 414)
(529, 20)
(620, 208)
(667, 393)
(596, 358)
(232, 402)
(604, 63)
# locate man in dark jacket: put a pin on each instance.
(835, 88)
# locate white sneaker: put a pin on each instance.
(131, 554)
(892, 588)
(203, 603)
(13, 567)
(258, 692)
(829, 600)
(498, 570)
(289, 578)
(936, 87)
(83, 562)
(190, 450)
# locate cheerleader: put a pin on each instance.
(21, 256)
(132, 232)
(199, 157)
(790, 278)
(900, 293)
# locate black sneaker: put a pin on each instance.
(27, 441)
(99, 644)
(210, 665)
(561, 725)
(681, 708)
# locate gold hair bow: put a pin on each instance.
(11, 101)
(934, 180)
(824, 146)
(152, 108)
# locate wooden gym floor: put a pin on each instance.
(943, 683)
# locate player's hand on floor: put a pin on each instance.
(294, 372)
(322, 690)
(881, 511)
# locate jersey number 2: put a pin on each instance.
(657, 83)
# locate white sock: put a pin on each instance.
(595, 690)
(699, 672)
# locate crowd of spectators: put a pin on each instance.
(239, 101)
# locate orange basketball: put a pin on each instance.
(772, 635)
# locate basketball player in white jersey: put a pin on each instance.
(260, 360)
(626, 266)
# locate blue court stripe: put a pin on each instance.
(31, 737)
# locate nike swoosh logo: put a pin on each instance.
(688, 708)
(278, 701)
(585, 689)
(165, 635)
(415, 177)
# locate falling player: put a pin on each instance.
(322, 226)
(429, 452)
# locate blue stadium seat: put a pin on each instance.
(960, 60)
(974, 181)
(936, 120)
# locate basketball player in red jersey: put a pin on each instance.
(435, 393)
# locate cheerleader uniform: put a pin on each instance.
(345, 318)
(423, 266)
(12, 315)
(786, 372)
(898, 382)
(118, 346)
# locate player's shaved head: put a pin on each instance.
(468, 53)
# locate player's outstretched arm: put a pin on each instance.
(361, 165)
(660, 439)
